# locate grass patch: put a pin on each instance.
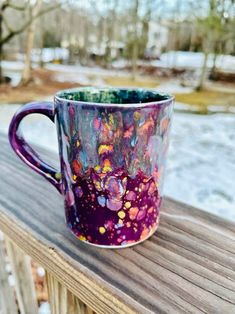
(126, 81)
(206, 98)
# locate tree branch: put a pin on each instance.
(42, 12)
(16, 7)
(4, 5)
(6, 24)
(7, 4)
(13, 33)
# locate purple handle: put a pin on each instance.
(24, 151)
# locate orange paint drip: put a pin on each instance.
(77, 167)
(144, 233)
(133, 211)
(164, 124)
(128, 133)
(105, 149)
(107, 166)
(148, 124)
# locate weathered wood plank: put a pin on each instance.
(188, 266)
(24, 285)
(62, 300)
(7, 298)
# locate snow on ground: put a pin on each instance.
(65, 73)
(76, 68)
(179, 59)
(183, 59)
(201, 163)
(174, 87)
(79, 74)
(194, 60)
(12, 65)
(46, 54)
(15, 77)
(80, 78)
(49, 54)
(72, 77)
(13, 69)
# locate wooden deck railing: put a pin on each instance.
(188, 266)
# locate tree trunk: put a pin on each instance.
(192, 37)
(134, 60)
(1, 52)
(42, 42)
(135, 41)
(111, 33)
(203, 73)
(27, 75)
(86, 44)
(212, 74)
(41, 62)
(1, 57)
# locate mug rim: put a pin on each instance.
(170, 97)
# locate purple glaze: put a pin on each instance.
(24, 151)
(112, 161)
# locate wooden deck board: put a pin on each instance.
(188, 266)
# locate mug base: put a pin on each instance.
(116, 246)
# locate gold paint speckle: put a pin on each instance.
(121, 214)
(102, 230)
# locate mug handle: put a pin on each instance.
(24, 151)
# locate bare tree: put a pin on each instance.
(111, 23)
(215, 29)
(135, 40)
(26, 75)
(207, 27)
(10, 32)
(137, 32)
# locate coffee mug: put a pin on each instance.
(112, 147)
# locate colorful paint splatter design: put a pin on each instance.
(113, 145)
(112, 162)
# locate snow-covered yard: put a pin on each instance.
(79, 74)
(201, 163)
(194, 60)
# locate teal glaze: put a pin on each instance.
(112, 96)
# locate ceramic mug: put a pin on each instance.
(112, 146)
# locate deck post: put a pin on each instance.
(24, 285)
(7, 298)
(62, 300)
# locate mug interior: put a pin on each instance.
(113, 96)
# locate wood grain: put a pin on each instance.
(188, 266)
(62, 301)
(7, 298)
(24, 285)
